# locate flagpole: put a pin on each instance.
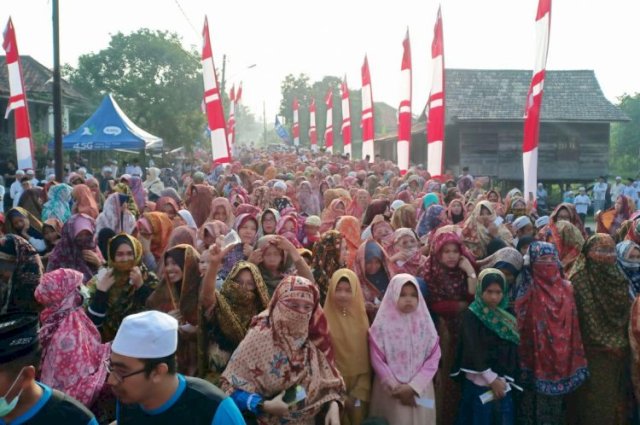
(57, 95)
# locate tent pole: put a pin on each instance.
(57, 95)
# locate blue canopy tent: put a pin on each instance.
(109, 129)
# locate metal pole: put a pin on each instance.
(264, 122)
(57, 96)
(222, 82)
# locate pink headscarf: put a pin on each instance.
(406, 341)
(73, 359)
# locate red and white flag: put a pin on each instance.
(346, 117)
(435, 105)
(368, 129)
(534, 101)
(239, 93)
(404, 110)
(213, 103)
(231, 123)
(313, 134)
(296, 123)
(18, 100)
(328, 130)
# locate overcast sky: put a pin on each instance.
(330, 37)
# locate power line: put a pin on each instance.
(195, 31)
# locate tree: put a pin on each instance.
(625, 138)
(155, 80)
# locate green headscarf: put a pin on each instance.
(498, 320)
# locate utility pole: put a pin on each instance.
(222, 83)
(57, 95)
(264, 123)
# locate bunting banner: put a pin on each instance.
(346, 117)
(231, 123)
(213, 103)
(367, 123)
(282, 132)
(435, 105)
(239, 93)
(313, 135)
(534, 101)
(296, 124)
(404, 110)
(18, 100)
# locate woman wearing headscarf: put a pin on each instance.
(273, 257)
(261, 197)
(226, 313)
(122, 289)
(21, 222)
(329, 255)
(456, 211)
(246, 226)
(405, 352)
(73, 358)
(487, 357)
(20, 273)
(268, 222)
(547, 313)
(451, 280)
(406, 256)
(405, 216)
(183, 235)
(602, 297)
(434, 217)
(170, 207)
(94, 185)
(116, 215)
(178, 295)
(209, 233)
(628, 257)
(58, 204)
(376, 207)
(475, 232)
(563, 212)
(153, 185)
(199, 203)
(336, 209)
(307, 199)
(349, 227)
(221, 210)
(124, 189)
(188, 220)
(349, 326)
(51, 232)
(153, 231)
(374, 271)
(569, 241)
(137, 191)
(634, 342)
(290, 339)
(84, 201)
(610, 221)
(359, 204)
(509, 262)
(77, 248)
(31, 200)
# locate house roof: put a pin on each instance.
(500, 94)
(38, 80)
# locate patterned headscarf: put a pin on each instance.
(85, 202)
(569, 241)
(58, 204)
(19, 253)
(475, 235)
(602, 294)
(326, 259)
(501, 322)
(630, 268)
(68, 254)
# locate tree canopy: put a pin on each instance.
(625, 138)
(155, 80)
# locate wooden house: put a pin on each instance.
(484, 125)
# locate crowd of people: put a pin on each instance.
(301, 289)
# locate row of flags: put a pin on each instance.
(222, 133)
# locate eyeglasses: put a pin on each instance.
(117, 375)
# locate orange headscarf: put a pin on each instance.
(349, 226)
(161, 228)
(85, 201)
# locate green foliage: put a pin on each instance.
(625, 138)
(155, 80)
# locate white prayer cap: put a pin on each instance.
(31, 172)
(618, 178)
(20, 173)
(542, 221)
(280, 185)
(147, 335)
(521, 222)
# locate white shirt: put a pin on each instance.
(582, 203)
(15, 191)
(616, 190)
(133, 170)
(599, 191)
(630, 191)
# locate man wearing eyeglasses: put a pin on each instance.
(142, 375)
